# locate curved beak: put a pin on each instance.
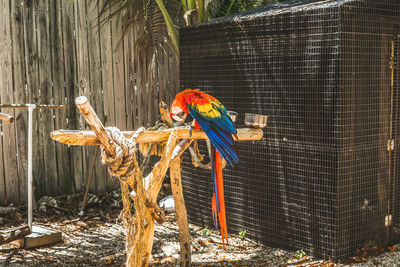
(177, 114)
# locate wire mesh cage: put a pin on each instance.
(325, 176)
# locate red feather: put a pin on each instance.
(211, 113)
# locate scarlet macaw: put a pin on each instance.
(212, 117)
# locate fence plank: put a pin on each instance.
(6, 85)
(107, 77)
(82, 46)
(46, 97)
(118, 72)
(20, 94)
(100, 176)
(32, 84)
(71, 88)
(51, 53)
(3, 70)
(139, 77)
(129, 79)
(57, 61)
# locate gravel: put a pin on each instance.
(98, 239)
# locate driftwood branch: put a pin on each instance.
(103, 138)
(88, 138)
(16, 234)
(145, 191)
(177, 191)
(165, 114)
(94, 122)
(6, 117)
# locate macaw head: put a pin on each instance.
(179, 108)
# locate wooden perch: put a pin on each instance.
(180, 210)
(9, 236)
(102, 137)
(94, 122)
(6, 117)
(145, 191)
(88, 138)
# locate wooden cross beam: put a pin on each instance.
(152, 183)
(89, 138)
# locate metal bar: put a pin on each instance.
(26, 106)
(30, 200)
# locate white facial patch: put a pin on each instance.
(175, 111)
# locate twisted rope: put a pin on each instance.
(123, 164)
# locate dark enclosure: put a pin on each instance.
(325, 177)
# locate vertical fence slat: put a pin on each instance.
(46, 97)
(64, 174)
(106, 76)
(53, 51)
(139, 78)
(3, 83)
(99, 173)
(118, 73)
(83, 79)
(6, 85)
(71, 88)
(32, 81)
(129, 79)
(20, 94)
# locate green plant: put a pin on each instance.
(300, 254)
(205, 232)
(242, 233)
(159, 17)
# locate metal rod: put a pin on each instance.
(31, 107)
(26, 106)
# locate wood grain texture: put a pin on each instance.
(94, 122)
(83, 70)
(99, 183)
(118, 69)
(71, 89)
(52, 52)
(88, 138)
(20, 96)
(58, 77)
(181, 214)
(45, 92)
(6, 95)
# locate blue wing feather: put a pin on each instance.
(221, 139)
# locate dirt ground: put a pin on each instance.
(97, 239)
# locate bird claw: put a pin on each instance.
(190, 130)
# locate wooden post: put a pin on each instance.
(15, 234)
(180, 208)
(144, 236)
(6, 117)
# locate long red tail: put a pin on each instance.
(221, 200)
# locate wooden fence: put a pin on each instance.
(51, 52)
